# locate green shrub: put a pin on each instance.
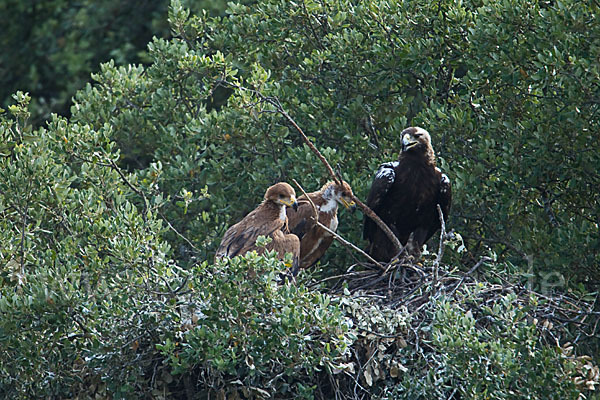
(487, 351)
(83, 271)
(108, 218)
(511, 113)
(251, 332)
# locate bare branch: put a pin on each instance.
(475, 267)
(337, 178)
(382, 225)
(335, 235)
(275, 102)
(178, 233)
(438, 259)
(365, 209)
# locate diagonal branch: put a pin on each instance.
(479, 263)
(274, 101)
(334, 234)
(382, 225)
(366, 210)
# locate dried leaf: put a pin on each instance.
(368, 377)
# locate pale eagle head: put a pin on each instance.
(282, 193)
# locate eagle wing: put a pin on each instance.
(444, 198)
(287, 243)
(300, 221)
(237, 241)
(382, 182)
(241, 237)
(302, 224)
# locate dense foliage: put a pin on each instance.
(49, 48)
(109, 218)
(512, 120)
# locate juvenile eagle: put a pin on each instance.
(314, 240)
(405, 194)
(268, 219)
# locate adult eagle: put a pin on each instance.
(405, 195)
(314, 240)
(268, 219)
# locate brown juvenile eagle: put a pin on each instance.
(405, 195)
(314, 240)
(268, 219)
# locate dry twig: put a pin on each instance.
(334, 234)
(438, 259)
(365, 209)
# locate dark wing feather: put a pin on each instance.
(445, 196)
(300, 229)
(299, 221)
(382, 182)
(241, 237)
(235, 241)
(444, 199)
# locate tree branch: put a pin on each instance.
(337, 179)
(275, 102)
(136, 190)
(479, 263)
(438, 259)
(335, 235)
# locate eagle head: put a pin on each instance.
(415, 139)
(282, 193)
(344, 195)
(338, 193)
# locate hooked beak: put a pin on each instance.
(349, 204)
(408, 142)
(291, 203)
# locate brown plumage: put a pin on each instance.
(268, 219)
(314, 240)
(405, 194)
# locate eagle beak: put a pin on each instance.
(408, 142)
(349, 204)
(291, 203)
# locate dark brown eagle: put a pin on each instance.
(314, 240)
(405, 195)
(268, 219)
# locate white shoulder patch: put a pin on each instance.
(386, 171)
(445, 183)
